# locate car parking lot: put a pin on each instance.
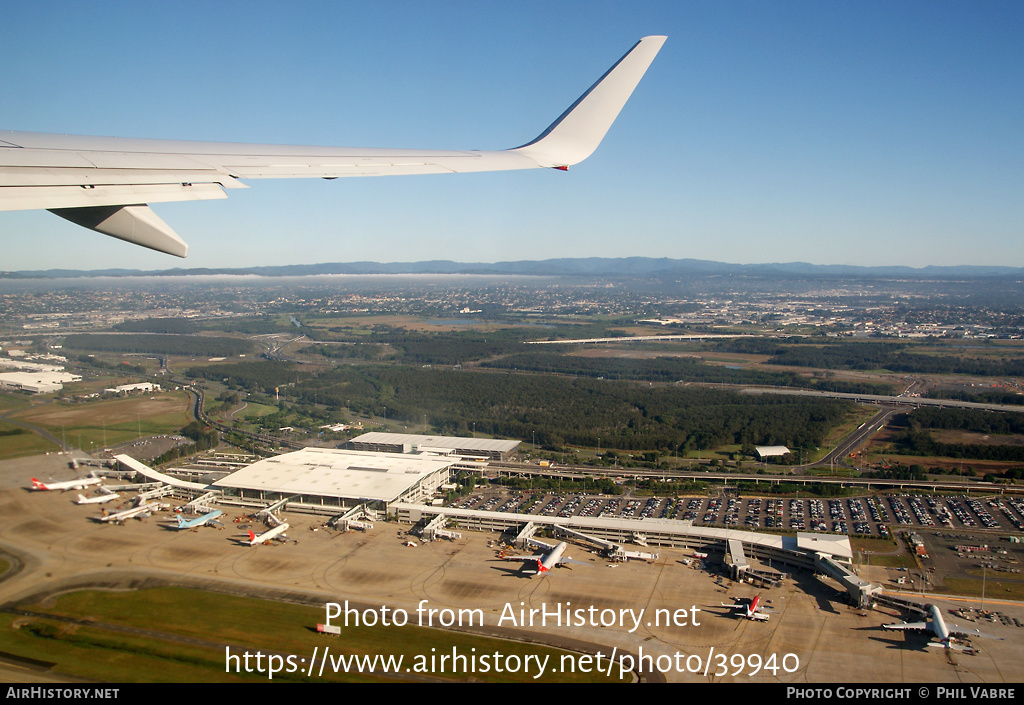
(855, 516)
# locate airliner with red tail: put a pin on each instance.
(79, 484)
(751, 609)
(544, 562)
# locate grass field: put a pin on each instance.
(179, 635)
(994, 589)
(22, 444)
(253, 410)
(109, 422)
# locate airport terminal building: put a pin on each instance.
(325, 478)
(340, 482)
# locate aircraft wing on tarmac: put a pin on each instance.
(103, 497)
(105, 183)
(140, 511)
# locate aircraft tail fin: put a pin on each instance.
(37, 484)
(579, 130)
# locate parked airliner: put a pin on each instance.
(139, 512)
(204, 520)
(102, 498)
(544, 562)
(79, 484)
(947, 635)
(277, 531)
(751, 609)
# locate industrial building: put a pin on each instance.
(33, 377)
(771, 451)
(139, 387)
(37, 382)
(487, 448)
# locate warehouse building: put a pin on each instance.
(488, 448)
(37, 382)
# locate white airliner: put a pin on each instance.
(751, 609)
(544, 562)
(105, 496)
(277, 531)
(105, 183)
(79, 484)
(205, 519)
(947, 635)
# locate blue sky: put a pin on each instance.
(866, 133)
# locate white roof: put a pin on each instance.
(832, 544)
(765, 451)
(452, 442)
(328, 472)
(152, 474)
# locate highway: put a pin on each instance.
(882, 399)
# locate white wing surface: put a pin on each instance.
(105, 183)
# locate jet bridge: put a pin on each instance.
(267, 514)
(612, 550)
(603, 544)
(900, 603)
(435, 530)
(134, 486)
(861, 592)
(351, 519)
(523, 538)
(199, 504)
(741, 569)
(161, 490)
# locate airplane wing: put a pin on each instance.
(106, 183)
(571, 561)
(957, 630)
(907, 625)
(537, 557)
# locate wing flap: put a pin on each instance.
(52, 197)
(907, 625)
(136, 224)
(13, 177)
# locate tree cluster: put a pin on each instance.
(160, 344)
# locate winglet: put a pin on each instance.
(579, 130)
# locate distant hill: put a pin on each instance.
(583, 266)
